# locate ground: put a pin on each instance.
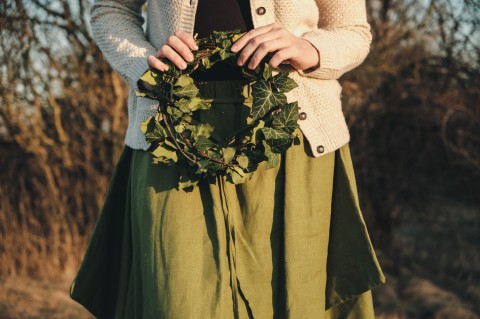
(405, 296)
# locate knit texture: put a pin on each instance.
(338, 29)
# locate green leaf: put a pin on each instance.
(183, 80)
(206, 63)
(175, 112)
(281, 145)
(197, 103)
(203, 129)
(229, 153)
(237, 176)
(272, 158)
(287, 118)
(152, 130)
(203, 143)
(236, 37)
(275, 134)
(161, 151)
(267, 71)
(264, 99)
(242, 161)
(183, 105)
(202, 166)
(148, 125)
(259, 126)
(152, 77)
(283, 83)
(188, 91)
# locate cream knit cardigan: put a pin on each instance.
(337, 28)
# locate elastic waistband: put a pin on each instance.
(226, 91)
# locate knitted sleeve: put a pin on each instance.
(117, 30)
(343, 38)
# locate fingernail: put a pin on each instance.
(234, 48)
(190, 57)
(239, 62)
(183, 65)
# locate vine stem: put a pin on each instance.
(169, 129)
(189, 145)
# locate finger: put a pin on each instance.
(264, 49)
(281, 57)
(240, 43)
(156, 63)
(253, 45)
(187, 39)
(181, 48)
(269, 42)
(173, 56)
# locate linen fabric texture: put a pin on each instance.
(338, 29)
(290, 243)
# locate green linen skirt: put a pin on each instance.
(289, 243)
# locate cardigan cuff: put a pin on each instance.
(327, 69)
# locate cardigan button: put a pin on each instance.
(261, 11)
(302, 115)
(320, 149)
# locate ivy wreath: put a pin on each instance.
(177, 138)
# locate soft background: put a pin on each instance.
(413, 109)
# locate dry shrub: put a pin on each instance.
(62, 121)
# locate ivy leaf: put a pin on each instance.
(175, 112)
(267, 71)
(148, 125)
(264, 99)
(183, 105)
(242, 161)
(236, 175)
(188, 91)
(275, 134)
(161, 151)
(287, 118)
(283, 83)
(272, 158)
(229, 153)
(281, 145)
(152, 130)
(236, 37)
(206, 63)
(152, 77)
(203, 129)
(202, 166)
(259, 126)
(203, 143)
(183, 80)
(198, 103)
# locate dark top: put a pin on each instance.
(221, 15)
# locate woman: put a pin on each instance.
(289, 243)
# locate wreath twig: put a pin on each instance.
(176, 138)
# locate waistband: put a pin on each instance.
(226, 91)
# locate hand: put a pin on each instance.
(177, 49)
(288, 48)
